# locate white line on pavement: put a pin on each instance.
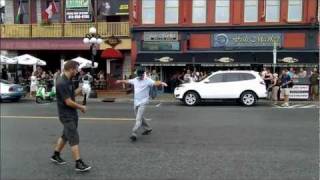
(294, 106)
(309, 106)
(53, 117)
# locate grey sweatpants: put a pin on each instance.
(140, 119)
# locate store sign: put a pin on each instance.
(161, 36)
(77, 3)
(298, 92)
(113, 7)
(224, 65)
(224, 60)
(165, 59)
(288, 60)
(113, 41)
(78, 10)
(246, 39)
(160, 46)
(162, 64)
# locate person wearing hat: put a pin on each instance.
(142, 85)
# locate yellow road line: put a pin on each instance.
(53, 117)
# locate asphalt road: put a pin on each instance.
(211, 141)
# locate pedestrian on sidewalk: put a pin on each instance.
(33, 84)
(142, 87)
(275, 87)
(286, 84)
(68, 116)
(86, 88)
(314, 80)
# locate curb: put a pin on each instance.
(159, 100)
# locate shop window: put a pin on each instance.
(294, 10)
(222, 11)
(272, 10)
(22, 12)
(160, 46)
(148, 11)
(199, 11)
(171, 11)
(251, 11)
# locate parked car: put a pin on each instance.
(245, 86)
(10, 91)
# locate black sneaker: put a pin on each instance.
(57, 159)
(147, 132)
(133, 138)
(81, 166)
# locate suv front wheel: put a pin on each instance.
(248, 98)
(191, 98)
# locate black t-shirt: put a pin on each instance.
(65, 90)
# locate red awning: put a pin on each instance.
(111, 53)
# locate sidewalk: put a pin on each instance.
(167, 97)
(162, 98)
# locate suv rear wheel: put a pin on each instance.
(248, 98)
(191, 98)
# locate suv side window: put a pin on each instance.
(231, 77)
(246, 76)
(216, 78)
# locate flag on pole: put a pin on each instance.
(50, 11)
(20, 12)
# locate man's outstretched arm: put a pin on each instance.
(160, 83)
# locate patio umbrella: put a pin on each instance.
(6, 60)
(27, 59)
(84, 63)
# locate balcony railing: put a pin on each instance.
(57, 30)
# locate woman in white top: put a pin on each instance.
(33, 84)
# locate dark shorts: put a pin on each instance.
(70, 131)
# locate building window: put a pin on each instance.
(222, 11)
(295, 10)
(22, 12)
(171, 11)
(148, 11)
(272, 10)
(199, 11)
(56, 17)
(251, 11)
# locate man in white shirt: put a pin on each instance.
(142, 87)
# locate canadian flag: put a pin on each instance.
(52, 9)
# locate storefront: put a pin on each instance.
(172, 52)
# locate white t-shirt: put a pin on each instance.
(141, 90)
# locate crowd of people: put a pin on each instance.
(41, 77)
(279, 85)
(273, 81)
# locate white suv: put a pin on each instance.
(245, 86)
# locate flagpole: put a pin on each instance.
(30, 18)
(62, 9)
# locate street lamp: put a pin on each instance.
(93, 39)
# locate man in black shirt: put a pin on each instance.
(68, 116)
